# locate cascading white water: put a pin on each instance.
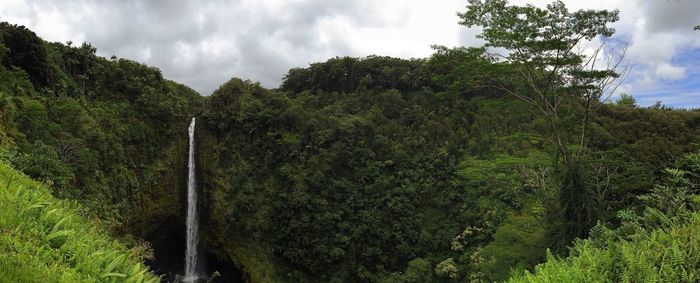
(192, 273)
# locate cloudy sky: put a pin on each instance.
(204, 43)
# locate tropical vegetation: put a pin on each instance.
(466, 165)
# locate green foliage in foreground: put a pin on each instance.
(660, 245)
(43, 239)
(662, 255)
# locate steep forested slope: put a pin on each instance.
(106, 132)
(110, 134)
(382, 169)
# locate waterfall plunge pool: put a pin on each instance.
(169, 253)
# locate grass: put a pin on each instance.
(43, 239)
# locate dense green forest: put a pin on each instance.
(387, 185)
(453, 168)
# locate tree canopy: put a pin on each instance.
(545, 45)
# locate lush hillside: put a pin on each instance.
(44, 239)
(334, 180)
(107, 133)
(456, 167)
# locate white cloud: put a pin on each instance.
(204, 44)
(667, 71)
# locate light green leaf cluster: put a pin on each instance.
(662, 255)
(43, 239)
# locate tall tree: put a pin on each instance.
(550, 51)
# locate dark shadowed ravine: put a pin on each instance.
(168, 246)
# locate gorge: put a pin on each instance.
(371, 169)
(168, 243)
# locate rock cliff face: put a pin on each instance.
(160, 216)
(224, 236)
(161, 202)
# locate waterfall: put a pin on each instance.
(192, 272)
